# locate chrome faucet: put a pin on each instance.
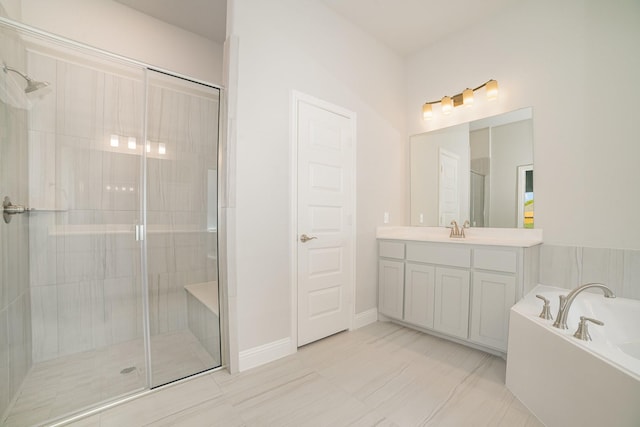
(567, 300)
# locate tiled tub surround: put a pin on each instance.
(556, 375)
(570, 266)
(15, 306)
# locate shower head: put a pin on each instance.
(32, 85)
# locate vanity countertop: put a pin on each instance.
(517, 237)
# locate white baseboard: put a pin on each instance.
(260, 355)
(365, 318)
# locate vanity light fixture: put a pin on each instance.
(465, 98)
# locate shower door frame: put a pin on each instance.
(141, 229)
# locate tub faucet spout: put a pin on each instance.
(566, 301)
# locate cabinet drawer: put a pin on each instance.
(496, 260)
(391, 250)
(444, 254)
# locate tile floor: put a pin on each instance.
(63, 385)
(380, 375)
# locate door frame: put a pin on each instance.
(295, 98)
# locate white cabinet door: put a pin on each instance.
(391, 288)
(451, 313)
(419, 294)
(492, 297)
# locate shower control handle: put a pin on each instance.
(304, 238)
(9, 209)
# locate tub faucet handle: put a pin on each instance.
(583, 328)
(546, 309)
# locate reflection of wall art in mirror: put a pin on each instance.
(494, 189)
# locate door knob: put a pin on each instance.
(304, 238)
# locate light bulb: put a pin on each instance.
(492, 90)
(427, 112)
(132, 143)
(447, 105)
(162, 149)
(467, 97)
(114, 141)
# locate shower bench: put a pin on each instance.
(203, 316)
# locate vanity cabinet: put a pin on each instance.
(463, 291)
(391, 288)
(419, 287)
(452, 302)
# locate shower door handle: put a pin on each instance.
(9, 209)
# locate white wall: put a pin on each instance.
(116, 28)
(576, 62)
(287, 45)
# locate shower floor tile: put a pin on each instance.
(58, 387)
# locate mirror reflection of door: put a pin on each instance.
(448, 188)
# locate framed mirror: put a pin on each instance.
(480, 171)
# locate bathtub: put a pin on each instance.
(569, 382)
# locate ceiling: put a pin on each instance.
(405, 26)
(207, 18)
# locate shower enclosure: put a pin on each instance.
(108, 276)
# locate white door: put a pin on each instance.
(448, 188)
(325, 207)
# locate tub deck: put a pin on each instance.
(565, 381)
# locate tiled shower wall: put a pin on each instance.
(83, 258)
(571, 266)
(85, 262)
(15, 312)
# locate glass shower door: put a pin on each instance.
(75, 159)
(85, 172)
(181, 209)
